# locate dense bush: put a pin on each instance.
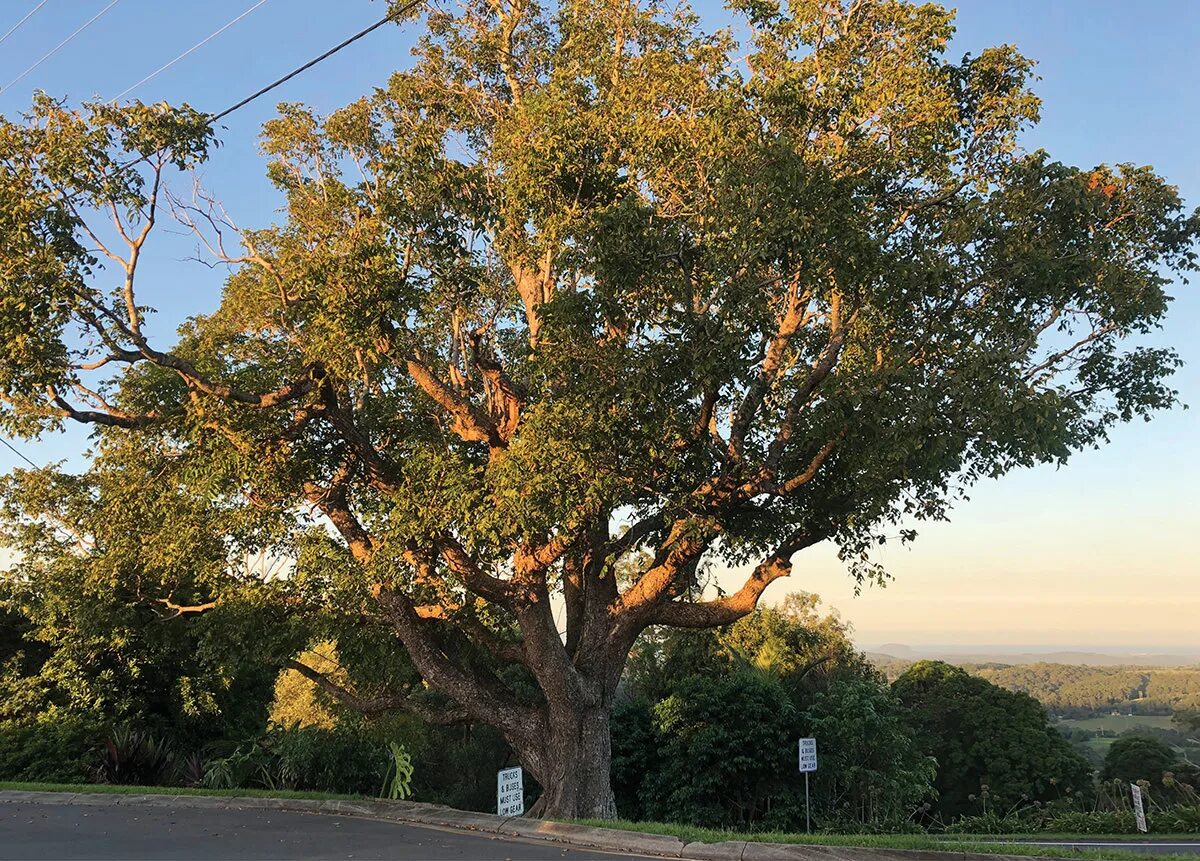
(307, 758)
(708, 734)
(725, 752)
(1134, 757)
(62, 750)
(634, 754)
(1178, 820)
(134, 757)
(994, 749)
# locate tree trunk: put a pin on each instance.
(573, 766)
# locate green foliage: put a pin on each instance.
(401, 772)
(1138, 758)
(725, 747)
(135, 758)
(56, 749)
(993, 747)
(635, 754)
(100, 560)
(1178, 820)
(727, 707)
(1071, 689)
(304, 758)
(873, 772)
(1188, 720)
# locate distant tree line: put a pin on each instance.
(1075, 691)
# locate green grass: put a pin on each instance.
(1116, 724)
(1119, 723)
(958, 842)
(110, 789)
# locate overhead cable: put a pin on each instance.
(395, 13)
(17, 26)
(59, 46)
(198, 45)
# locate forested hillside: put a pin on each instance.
(1072, 690)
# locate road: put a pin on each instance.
(70, 832)
(89, 833)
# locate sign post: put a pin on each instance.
(510, 792)
(1139, 809)
(808, 763)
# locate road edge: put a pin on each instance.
(584, 836)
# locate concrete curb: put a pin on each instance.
(608, 839)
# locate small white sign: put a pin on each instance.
(1139, 809)
(808, 754)
(510, 792)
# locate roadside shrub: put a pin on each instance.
(307, 758)
(726, 753)
(133, 757)
(336, 760)
(1092, 822)
(990, 823)
(1178, 820)
(57, 751)
(245, 767)
(634, 754)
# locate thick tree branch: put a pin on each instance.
(792, 320)
(377, 704)
(474, 578)
(722, 611)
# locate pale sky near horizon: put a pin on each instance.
(1105, 552)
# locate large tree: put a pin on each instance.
(587, 301)
(995, 750)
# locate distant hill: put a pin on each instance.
(892, 652)
(1073, 684)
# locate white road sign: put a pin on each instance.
(808, 754)
(1139, 809)
(510, 792)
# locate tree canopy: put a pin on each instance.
(994, 748)
(1136, 758)
(585, 301)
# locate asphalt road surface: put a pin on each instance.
(49, 832)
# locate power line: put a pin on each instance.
(60, 45)
(395, 13)
(212, 118)
(199, 44)
(28, 15)
(18, 453)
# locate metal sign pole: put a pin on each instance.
(807, 820)
(808, 762)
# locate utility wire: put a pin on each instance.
(28, 15)
(212, 118)
(60, 45)
(395, 13)
(199, 44)
(18, 453)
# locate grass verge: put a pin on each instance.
(112, 789)
(952, 843)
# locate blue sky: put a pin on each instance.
(1103, 553)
